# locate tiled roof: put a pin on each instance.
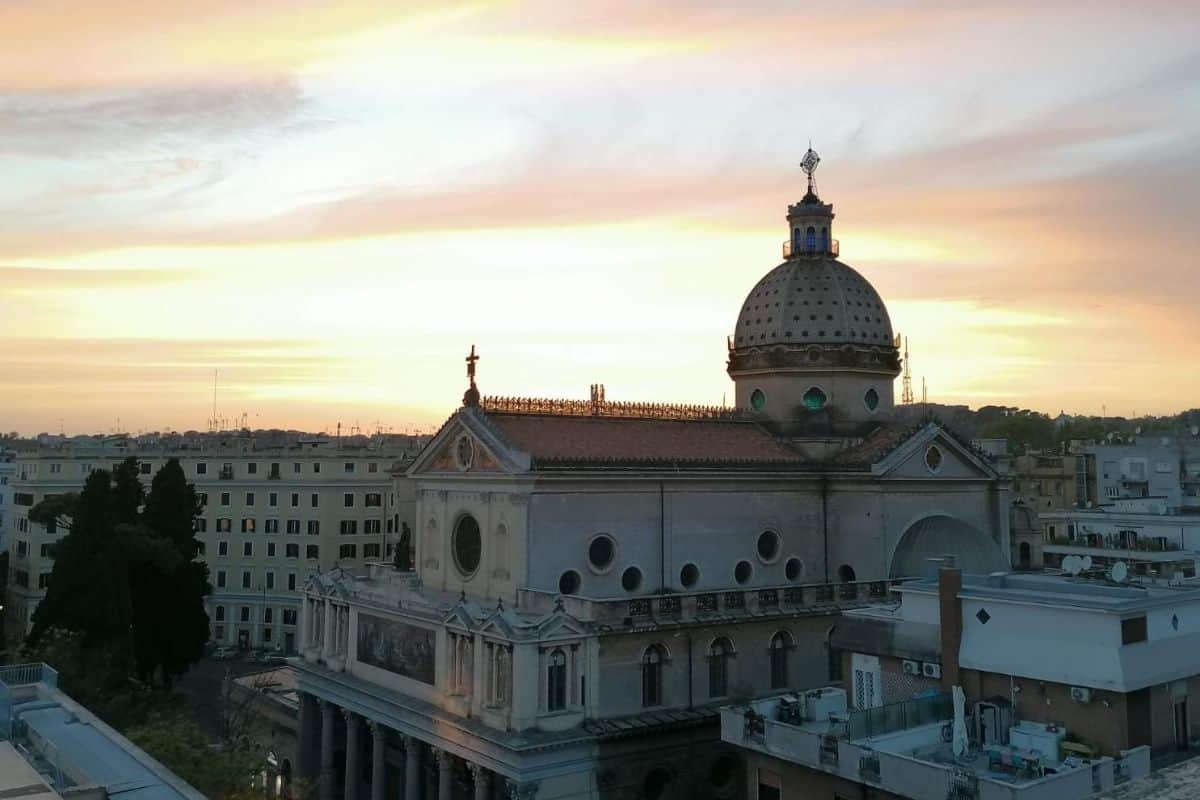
(874, 447)
(566, 441)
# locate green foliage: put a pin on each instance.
(56, 511)
(1024, 430)
(125, 580)
(222, 772)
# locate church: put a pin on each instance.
(589, 581)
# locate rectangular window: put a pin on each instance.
(295, 499)
(316, 467)
(249, 498)
(23, 499)
(295, 467)
(371, 526)
(266, 637)
(224, 524)
(293, 526)
(316, 500)
(222, 548)
(21, 577)
(225, 498)
(274, 471)
(349, 527)
(312, 551)
(220, 616)
(143, 467)
(245, 579)
(373, 467)
(47, 550)
(43, 580)
(271, 526)
(219, 633)
(270, 549)
(373, 500)
(22, 548)
(314, 527)
(349, 467)
(348, 499)
(201, 548)
(52, 526)
(248, 549)
(245, 613)
(1133, 630)
(273, 499)
(270, 583)
(201, 525)
(226, 472)
(371, 550)
(347, 551)
(252, 468)
(292, 551)
(292, 581)
(56, 469)
(202, 497)
(268, 615)
(220, 579)
(23, 524)
(201, 468)
(289, 616)
(248, 524)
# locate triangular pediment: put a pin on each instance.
(467, 445)
(560, 624)
(933, 453)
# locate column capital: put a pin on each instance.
(376, 728)
(326, 706)
(520, 791)
(351, 717)
(444, 758)
(477, 770)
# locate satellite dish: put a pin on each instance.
(1119, 572)
(1086, 563)
(1072, 565)
(1196, 430)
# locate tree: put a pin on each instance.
(169, 620)
(221, 772)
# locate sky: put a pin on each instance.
(317, 207)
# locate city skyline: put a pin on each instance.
(331, 203)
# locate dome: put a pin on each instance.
(813, 301)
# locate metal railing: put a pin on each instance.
(869, 722)
(822, 596)
(28, 674)
(811, 249)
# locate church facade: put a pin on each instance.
(589, 581)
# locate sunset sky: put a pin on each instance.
(329, 202)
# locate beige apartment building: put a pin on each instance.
(274, 513)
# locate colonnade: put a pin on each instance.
(319, 741)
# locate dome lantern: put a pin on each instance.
(810, 222)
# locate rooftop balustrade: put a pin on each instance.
(815, 249)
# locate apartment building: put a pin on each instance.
(8, 468)
(274, 513)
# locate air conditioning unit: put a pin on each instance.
(931, 670)
(912, 667)
(1081, 694)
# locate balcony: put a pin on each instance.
(226, 474)
(813, 250)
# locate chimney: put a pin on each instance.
(950, 615)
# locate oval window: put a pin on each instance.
(689, 575)
(743, 571)
(933, 458)
(758, 399)
(793, 569)
(814, 399)
(768, 546)
(871, 398)
(467, 545)
(569, 582)
(631, 579)
(601, 552)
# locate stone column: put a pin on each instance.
(327, 644)
(325, 779)
(353, 723)
(378, 765)
(305, 751)
(412, 768)
(483, 782)
(445, 777)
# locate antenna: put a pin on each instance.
(906, 396)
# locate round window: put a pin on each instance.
(793, 569)
(467, 545)
(631, 579)
(601, 551)
(689, 575)
(933, 458)
(569, 582)
(743, 571)
(768, 546)
(814, 399)
(871, 398)
(758, 399)
(723, 773)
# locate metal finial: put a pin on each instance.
(471, 396)
(809, 164)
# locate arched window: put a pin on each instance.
(781, 643)
(556, 681)
(501, 676)
(652, 675)
(824, 240)
(810, 239)
(846, 575)
(719, 653)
